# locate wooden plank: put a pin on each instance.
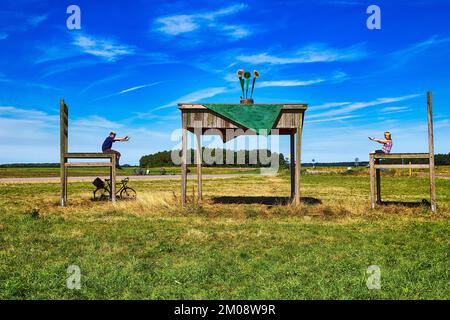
(378, 181)
(88, 164)
(400, 155)
(372, 180)
(199, 166)
(287, 106)
(63, 148)
(401, 166)
(88, 155)
(431, 151)
(113, 179)
(183, 158)
(292, 164)
(298, 162)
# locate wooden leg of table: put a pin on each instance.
(199, 166)
(372, 181)
(184, 159)
(298, 163)
(292, 165)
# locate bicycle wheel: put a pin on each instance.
(128, 194)
(102, 194)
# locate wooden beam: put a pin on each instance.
(431, 151)
(287, 106)
(199, 165)
(113, 179)
(88, 155)
(63, 128)
(298, 161)
(292, 164)
(378, 181)
(400, 155)
(88, 164)
(372, 180)
(183, 158)
(401, 166)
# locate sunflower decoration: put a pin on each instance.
(244, 79)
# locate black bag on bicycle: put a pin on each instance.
(98, 183)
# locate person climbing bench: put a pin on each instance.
(107, 146)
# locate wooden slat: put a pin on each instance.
(378, 181)
(183, 158)
(298, 162)
(372, 180)
(199, 165)
(400, 155)
(63, 128)
(88, 155)
(402, 166)
(88, 164)
(292, 164)
(113, 179)
(431, 151)
(287, 106)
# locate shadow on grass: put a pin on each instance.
(262, 200)
(423, 203)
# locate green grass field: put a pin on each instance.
(231, 246)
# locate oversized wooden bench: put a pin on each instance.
(376, 165)
(66, 156)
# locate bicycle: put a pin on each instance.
(103, 191)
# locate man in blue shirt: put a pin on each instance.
(107, 145)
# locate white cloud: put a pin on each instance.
(178, 24)
(288, 83)
(109, 50)
(195, 96)
(129, 90)
(391, 110)
(348, 108)
(3, 36)
(37, 20)
(309, 54)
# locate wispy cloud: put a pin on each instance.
(3, 35)
(348, 108)
(391, 110)
(34, 21)
(310, 54)
(289, 83)
(417, 48)
(106, 49)
(174, 25)
(195, 97)
(129, 90)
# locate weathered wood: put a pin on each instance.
(286, 106)
(400, 155)
(298, 162)
(372, 180)
(378, 181)
(431, 151)
(63, 128)
(199, 165)
(88, 164)
(88, 155)
(401, 166)
(113, 179)
(292, 164)
(183, 158)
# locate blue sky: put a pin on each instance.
(132, 61)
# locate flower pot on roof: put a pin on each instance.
(244, 80)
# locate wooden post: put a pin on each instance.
(431, 151)
(63, 147)
(298, 161)
(199, 165)
(372, 180)
(378, 182)
(113, 177)
(183, 157)
(292, 165)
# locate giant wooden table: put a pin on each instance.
(198, 119)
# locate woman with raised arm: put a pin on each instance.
(386, 142)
